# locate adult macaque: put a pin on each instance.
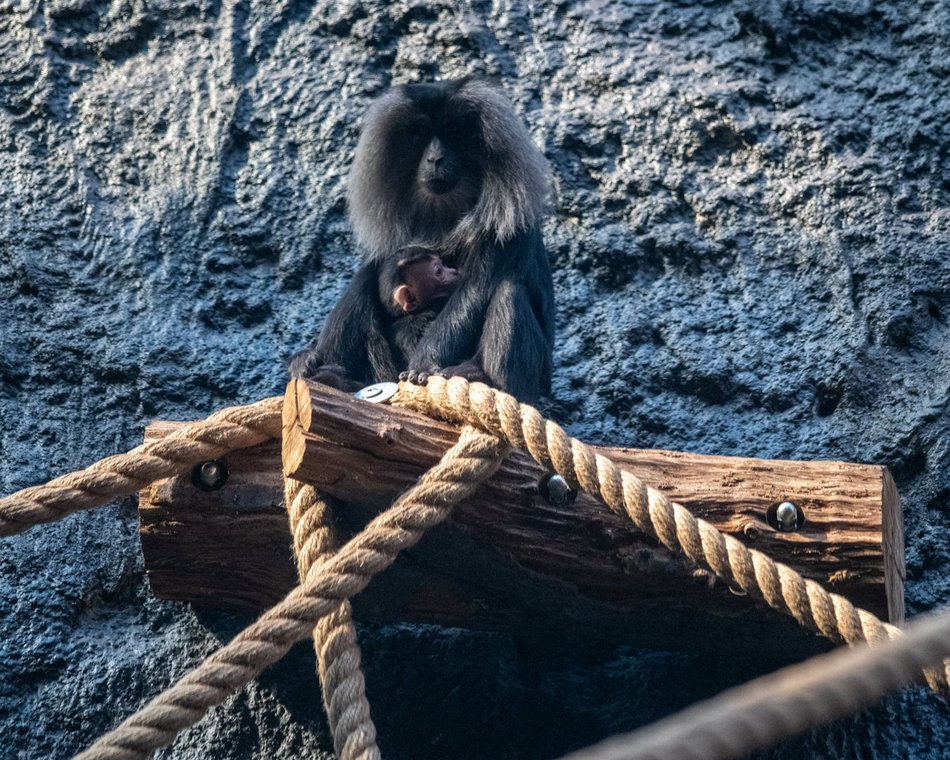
(448, 165)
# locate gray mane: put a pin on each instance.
(515, 182)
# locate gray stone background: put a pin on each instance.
(750, 243)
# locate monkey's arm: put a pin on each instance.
(350, 350)
(453, 335)
(456, 333)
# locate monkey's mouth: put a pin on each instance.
(439, 185)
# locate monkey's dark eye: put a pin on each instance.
(460, 130)
(416, 133)
(462, 121)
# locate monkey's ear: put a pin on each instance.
(406, 299)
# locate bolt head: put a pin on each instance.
(210, 475)
(787, 516)
(556, 491)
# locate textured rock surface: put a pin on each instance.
(751, 242)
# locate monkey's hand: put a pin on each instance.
(423, 363)
(469, 370)
(419, 377)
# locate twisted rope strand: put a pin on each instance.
(235, 427)
(767, 709)
(652, 512)
(334, 636)
(330, 582)
(474, 458)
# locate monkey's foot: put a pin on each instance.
(333, 375)
(469, 370)
(419, 377)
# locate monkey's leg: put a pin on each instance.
(351, 350)
(512, 350)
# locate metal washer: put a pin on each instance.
(378, 393)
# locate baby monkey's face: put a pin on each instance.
(435, 278)
(425, 280)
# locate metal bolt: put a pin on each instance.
(556, 491)
(378, 393)
(787, 516)
(210, 475)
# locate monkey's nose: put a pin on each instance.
(435, 152)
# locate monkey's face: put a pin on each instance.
(439, 168)
(445, 163)
(439, 279)
(424, 281)
(438, 143)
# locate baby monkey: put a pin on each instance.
(419, 287)
(423, 281)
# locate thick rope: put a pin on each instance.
(334, 580)
(793, 699)
(236, 427)
(473, 459)
(653, 513)
(334, 636)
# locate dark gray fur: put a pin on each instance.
(515, 184)
(485, 219)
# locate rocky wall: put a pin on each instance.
(751, 245)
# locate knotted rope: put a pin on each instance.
(776, 706)
(235, 427)
(331, 580)
(334, 636)
(652, 512)
(473, 459)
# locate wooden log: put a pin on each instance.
(508, 559)
(228, 547)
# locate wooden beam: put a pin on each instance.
(510, 560)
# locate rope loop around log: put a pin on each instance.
(235, 427)
(491, 421)
(651, 511)
(473, 459)
(334, 636)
